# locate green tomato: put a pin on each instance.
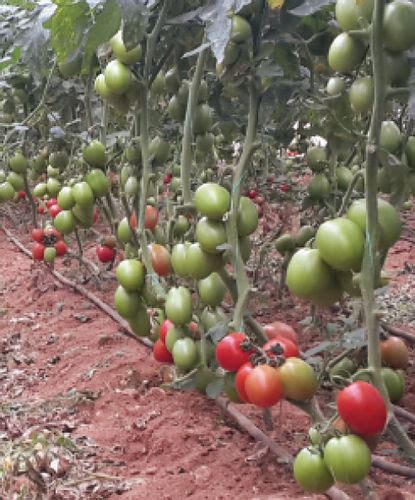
(179, 259)
(349, 13)
(124, 232)
(200, 263)
(311, 472)
(395, 384)
(94, 154)
(204, 142)
(65, 222)
(98, 182)
(247, 217)
(209, 319)
(388, 218)
(183, 93)
(344, 368)
(348, 458)
(117, 77)
(398, 25)
(347, 283)
(305, 233)
(158, 87)
(316, 158)
(101, 87)
(361, 94)
(185, 354)
(308, 276)
(178, 305)
(212, 290)
(241, 30)
(120, 51)
(319, 187)
(84, 215)
(52, 172)
(160, 149)
(126, 303)
(140, 323)
(18, 163)
(390, 136)
(341, 244)
(212, 200)
(181, 226)
(345, 53)
(65, 198)
(211, 234)
(7, 192)
(173, 335)
(284, 243)
(16, 180)
(130, 274)
(335, 86)
(202, 119)
(176, 110)
(49, 254)
(344, 177)
(172, 80)
(397, 68)
(59, 159)
(83, 194)
(53, 186)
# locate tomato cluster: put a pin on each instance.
(48, 244)
(322, 274)
(263, 376)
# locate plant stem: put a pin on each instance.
(242, 282)
(186, 156)
(370, 267)
(144, 131)
(31, 200)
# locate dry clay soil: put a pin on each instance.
(65, 367)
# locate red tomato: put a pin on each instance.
(95, 216)
(284, 188)
(133, 221)
(61, 248)
(164, 328)
(166, 179)
(160, 259)
(229, 354)
(151, 217)
(240, 379)
(51, 202)
(289, 349)
(21, 195)
(41, 209)
(362, 408)
(105, 254)
(259, 200)
(54, 210)
(282, 330)
(37, 234)
(263, 386)
(38, 251)
(193, 327)
(161, 353)
(51, 231)
(252, 194)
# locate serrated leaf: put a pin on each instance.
(217, 333)
(323, 346)
(310, 7)
(134, 15)
(215, 388)
(106, 24)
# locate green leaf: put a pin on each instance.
(134, 15)
(217, 333)
(215, 388)
(67, 28)
(310, 7)
(107, 23)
